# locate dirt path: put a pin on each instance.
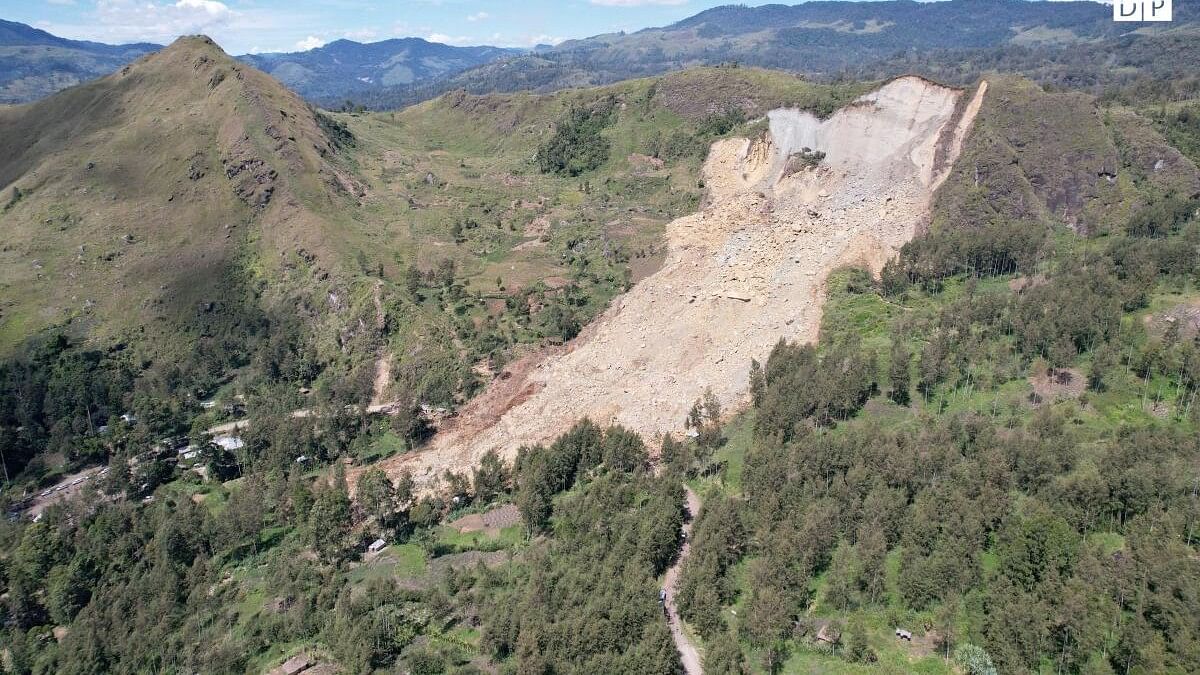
(383, 363)
(228, 427)
(383, 378)
(688, 653)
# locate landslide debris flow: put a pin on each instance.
(744, 272)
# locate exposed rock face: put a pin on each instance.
(744, 272)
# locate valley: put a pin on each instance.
(682, 368)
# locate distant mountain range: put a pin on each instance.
(958, 38)
(346, 69)
(35, 64)
(1074, 44)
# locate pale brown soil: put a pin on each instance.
(1058, 384)
(490, 522)
(61, 491)
(1185, 315)
(746, 271)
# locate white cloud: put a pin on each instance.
(310, 42)
(60, 2)
(637, 3)
(448, 39)
(545, 40)
(360, 34)
(478, 16)
(133, 20)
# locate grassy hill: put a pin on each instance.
(135, 199)
(204, 231)
(178, 221)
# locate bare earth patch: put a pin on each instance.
(1185, 316)
(490, 522)
(746, 271)
(1057, 384)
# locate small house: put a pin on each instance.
(903, 634)
(376, 546)
(208, 404)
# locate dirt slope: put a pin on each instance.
(744, 272)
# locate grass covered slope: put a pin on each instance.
(204, 233)
(139, 198)
(177, 222)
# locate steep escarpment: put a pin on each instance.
(783, 210)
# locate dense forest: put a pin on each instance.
(1029, 534)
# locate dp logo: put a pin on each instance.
(1141, 10)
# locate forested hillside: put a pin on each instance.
(994, 447)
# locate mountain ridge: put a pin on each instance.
(35, 63)
(836, 39)
(344, 68)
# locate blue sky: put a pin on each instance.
(242, 26)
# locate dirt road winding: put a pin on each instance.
(688, 653)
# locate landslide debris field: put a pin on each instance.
(744, 272)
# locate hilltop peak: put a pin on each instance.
(185, 150)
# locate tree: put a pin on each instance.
(858, 643)
(577, 145)
(899, 378)
(491, 478)
(329, 522)
(974, 660)
(68, 588)
(40, 550)
(412, 281)
(840, 590)
(1104, 359)
(723, 655)
(377, 496)
(623, 450)
(222, 465)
